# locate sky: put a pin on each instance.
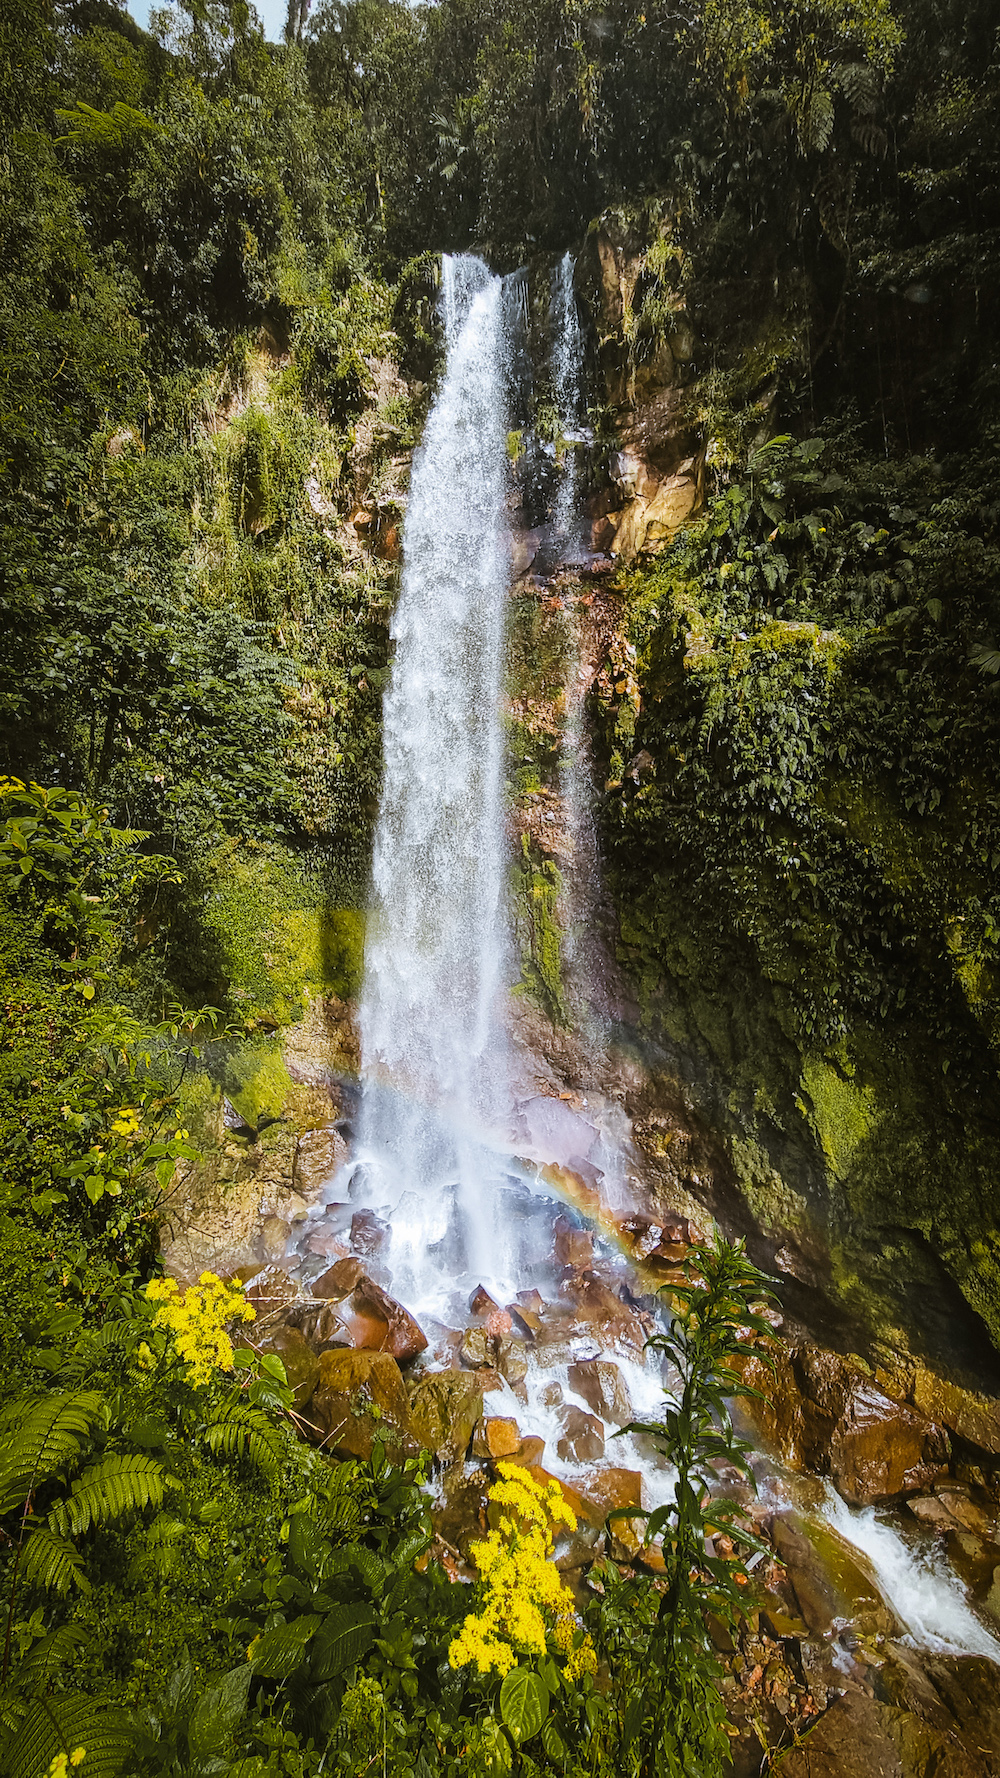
(273, 13)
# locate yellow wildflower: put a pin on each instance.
(198, 1319)
(60, 1764)
(524, 1598)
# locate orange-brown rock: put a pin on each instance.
(360, 1399)
(481, 1303)
(603, 1389)
(606, 1490)
(597, 1305)
(379, 1324)
(339, 1280)
(496, 1438)
(582, 1436)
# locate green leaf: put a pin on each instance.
(524, 1703)
(279, 1652)
(218, 1711)
(53, 1562)
(346, 1635)
(117, 1484)
(553, 1743)
(61, 1722)
(39, 1435)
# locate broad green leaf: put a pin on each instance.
(524, 1703)
(218, 1711)
(278, 1652)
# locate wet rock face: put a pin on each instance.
(582, 1439)
(445, 1407)
(657, 476)
(881, 1449)
(603, 1388)
(936, 1716)
(360, 1398)
(826, 1413)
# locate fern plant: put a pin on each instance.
(45, 1443)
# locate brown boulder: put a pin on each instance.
(318, 1155)
(496, 1438)
(481, 1303)
(320, 1324)
(339, 1280)
(379, 1324)
(597, 1305)
(582, 1438)
(445, 1407)
(863, 1737)
(603, 1389)
(881, 1449)
(360, 1399)
(368, 1232)
(824, 1412)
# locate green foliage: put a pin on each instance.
(664, 1712)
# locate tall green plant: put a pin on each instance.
(667, 1718)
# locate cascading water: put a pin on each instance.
(567, 379)
(435, 963)
(583, 964)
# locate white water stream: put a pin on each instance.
(437, 1129)
(436, 965)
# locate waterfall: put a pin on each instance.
(583, 963)
(567, 379)
(433, 1062)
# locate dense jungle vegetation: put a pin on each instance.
(216, 338)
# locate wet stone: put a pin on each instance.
(368, 1232)
(445, 1407)
(481, 1303)
(582, 1438)
(320, 1324)
(572, 1246)
(603, 1388)
(339, 1281)
(496, 1438)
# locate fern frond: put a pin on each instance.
(60, 1723)
(41, 1662)
(52, 1562)
(117, 1484)
(239, 1431)
(38, 1434)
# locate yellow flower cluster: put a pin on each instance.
(126, 1123)
(62, 1762)
(198, 1318)
(524, 1597)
